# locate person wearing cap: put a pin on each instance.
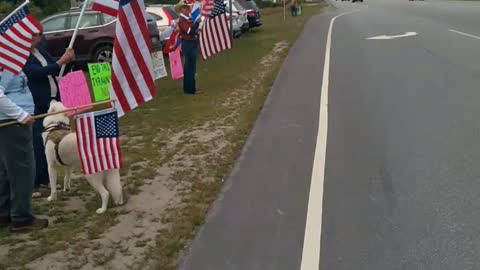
(41, 71)
(188, 31)
(17, 164)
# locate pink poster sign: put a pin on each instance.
(74, 92)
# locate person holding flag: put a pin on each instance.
(41, 70)
(188, 31)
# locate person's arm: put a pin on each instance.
(37, 71)
(53, 68)
(7, 107)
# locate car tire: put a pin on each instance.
(103, 54)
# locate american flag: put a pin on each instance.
(109, 7)
(207, 7)
(16, 39)
(98, 141)
(132, 67)
(215, 35)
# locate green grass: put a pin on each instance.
(149, 130)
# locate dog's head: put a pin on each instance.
(63, 118)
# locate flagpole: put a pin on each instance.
(74, 36)
(15, 11)
(64, 111)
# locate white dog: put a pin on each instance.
(61, 150)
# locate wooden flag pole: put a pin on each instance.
(74, 36)
(15, 11)
(64, 111)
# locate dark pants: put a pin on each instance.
(293, 10)
(17, 172)
(190, 53)
(41, 175)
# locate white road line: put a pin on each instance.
(313, 228)
(463, 33)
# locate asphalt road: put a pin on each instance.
(402, 175)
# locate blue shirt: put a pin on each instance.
(16, 100)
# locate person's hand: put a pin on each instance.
(199, 19)
(28, 120)
(67, 57)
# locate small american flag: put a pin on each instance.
(215, 35)
(207, 7)
(132, 67)
(98, 141)
(109, 7)
(16, 39)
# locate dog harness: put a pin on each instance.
(56, 133)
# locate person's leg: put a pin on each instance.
(4, 183)
(20, 169)
(194, 66)
(41, 175)
(188, 72)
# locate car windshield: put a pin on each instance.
(248, 4)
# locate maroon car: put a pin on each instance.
(94, 42)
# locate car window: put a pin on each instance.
(172, 12)
(54, 24)
(108, 19)
(238, 6)
(88, 20)
(157, 17)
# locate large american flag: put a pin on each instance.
(109, 7)
(207, 7)
(16, 40)
(98, 141)
(132, 67)
(215, 34)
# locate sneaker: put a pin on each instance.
(35, 223)
(4, 222)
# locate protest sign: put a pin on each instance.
(176, 64)
(100, 74)
(159, 70)
(74, 91)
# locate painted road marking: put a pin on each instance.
(313, 227)
(384, 37)
(463, 33)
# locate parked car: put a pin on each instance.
(94, 42)
(253, 12)
(164, 15)
(242, 18)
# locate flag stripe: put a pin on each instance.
(16, 46)
(132, 67)
(16, 39)
(135, 54)
(87, 156)
(129, 78)
(97, 135)
(80, 143)
(109, 7)
(109, 152)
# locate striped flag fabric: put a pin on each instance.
(207, 7)
(16, 39)
(215, 34)
(132, 67)
(109, 7)
(196, 11)
(98, 141)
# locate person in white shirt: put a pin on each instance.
(17, 163)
